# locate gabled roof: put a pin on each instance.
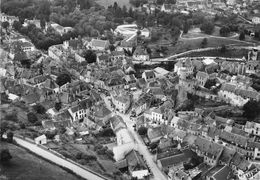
(212, 149)
(220, 173)
(153, 133)
(203, 75)
(117, 123)
(101, 111)
(234, 138)
(135, 161)
(99, 43)
(149, 74)
(84, 104)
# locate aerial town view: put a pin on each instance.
(130, 90)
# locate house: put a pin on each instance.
(140, 54)
(116, 82)
(256, 19)
(157, 92)
(252, 128)
(57, 52)
(252, 54)
(103, 59)
(202, 78)
(98, 45)
(252, 67)
(117, 123)
(101, 113)
(41, 140)
(184, 65)
(210, 151)
(219, 173)
(179, 173)
(117, 55)
(72, 44)
(9, 19)
(130, 81)
(81, 110)
(175, 159)
(236, 95)
(136, 165)
(148, 76)
(60, 29)
(167, 8)
(154, 134)
(122, 101)
(142, 103)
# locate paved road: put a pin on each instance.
(84, 173)
(142, 149)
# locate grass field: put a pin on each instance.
(186, 45)
(232, 53)
(107, 3)
(26, 166)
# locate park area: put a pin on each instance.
(25, 165)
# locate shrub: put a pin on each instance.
(5, 155)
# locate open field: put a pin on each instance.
(27, 166)
(230, 53)
(186, 45)
(107, 3)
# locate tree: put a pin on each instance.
(17, 25)
(204, 42)
(32, 118)
(58, 106)
(5, 25)
(242, 36)
(10, 135)
(112, 47)
(129, 19)
(207, 27)
(142, 131)
(90, 56)
(223, 48)
(63, 79)
(3, 128)
(39, 109)
(50, 134)
(5, 155)
(186, 27)
(224, 31)
(251, 109)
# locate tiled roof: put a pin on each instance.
(84, 104)
(101, 111)
(117, 53)
(222, 173)
(227, 155)
(149, 74)
(239, 160)
(135, 161)
(204, 145)
(99, 43)
(176, 159)
(235, 138)
(153, 133)
(203, 75)
(117, 123)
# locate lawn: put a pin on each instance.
(186, 45)
(27, 166)
(107, 3)
(231, 53)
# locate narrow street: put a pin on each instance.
(142, 149)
